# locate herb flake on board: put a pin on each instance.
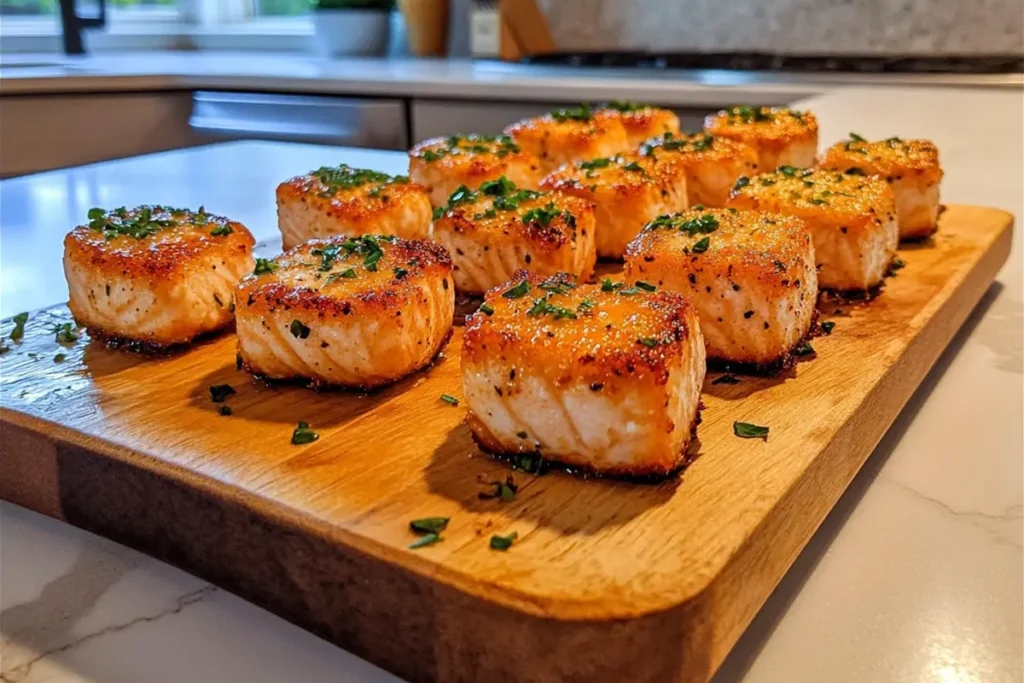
(746, 430)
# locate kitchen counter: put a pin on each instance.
(460, 79)
(916, 575)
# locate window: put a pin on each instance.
(281, 8)
(41, 8)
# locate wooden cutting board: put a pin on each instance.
(609, 580)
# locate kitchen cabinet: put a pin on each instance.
(43, 132)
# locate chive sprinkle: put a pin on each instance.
(486, 309)
(449, 399)
(503, 542)
(517, 291)
(303, 434)
(220, 392)
(298, 330)
(19, 326)
(746, 430)
(425, 540)
(827, 326)
(264, 266)
(429, 525)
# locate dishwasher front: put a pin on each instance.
(348, 121)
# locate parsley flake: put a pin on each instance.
(503, 542)
(449, 399)
(303, 435)
(264, 266)
(19, 326)
(827, 327)
(220, 392)
(518, 291)
(298, 330)
(746, 430)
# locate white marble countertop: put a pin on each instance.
(915, 576)
(435, 78)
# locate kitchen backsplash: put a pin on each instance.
(863, 27)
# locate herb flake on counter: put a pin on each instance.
(65, 333)
(503, 542)
(531, 463)
(827, 327)
(425, 540)
(804, 348)
(726, 379)
(19, 326)
(303, 434)
(449, 399)
(429, 525)
(746, 430)
(60, 358)
(298, 330)
(220, 392)
(503, 490)
(225, 410)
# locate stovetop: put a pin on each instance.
(754, 61)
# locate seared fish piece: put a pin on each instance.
(443, 164)
(352, 312)
(713, 165)
(499, 229)
(155, 275)
(627, 191)
(642, 121)
(852, 220)
(566, 135)
(603, 378)
(341, 200)
(749, 274)
(782, 137)
(911, 167)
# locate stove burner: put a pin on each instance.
(993, 64)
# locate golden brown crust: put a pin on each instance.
(570, 134)
(642, 122)
(855, 202)
(694, 149)
(347, 286)
(627, 175)
(773, 127)
(768, 247)
(483, 214)
(470, 156)
(178, 241)
(581, 333)
(890, 159)
(347, 201)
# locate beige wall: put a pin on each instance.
(932, 27)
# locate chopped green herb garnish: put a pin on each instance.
(222, 230)
(448, 398)
(486, 309)
(344, 177)
(264, 266)
(788, 171)
(65, 333)
(220, 392)
(649, 342)
(544, 215)
(857, 138)
(804, 348)
(429, 525)
(702, 245)
(225, 410)
(303, 435)
(531, 463)
(19, 326)
(595, 163)
(608, 286)
(726, 379)
(746, 113)
(400, 272)
(745, 430)
(347, 274)
(544, 307)
(827, 327)
(818, 201)
(504, 490)
(556, 286)
(585, 305)
(625, 106)
(328, 255)
(425, 540)
(138, 223)
(580, 113)
(502, 187)
(742, 182)
(298, 330)
(634, 166)
(503, 542)
(646, 286)
(629, 291)
(518, 291)
(897, 264)
(60, 357)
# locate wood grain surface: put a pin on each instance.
(609, 580)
